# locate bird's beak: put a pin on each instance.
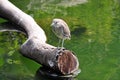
(52, 24)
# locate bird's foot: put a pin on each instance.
(60, 48)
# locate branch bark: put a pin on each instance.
(35, 47)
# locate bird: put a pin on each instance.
(61, 30)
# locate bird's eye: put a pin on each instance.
(56, 22)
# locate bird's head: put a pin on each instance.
(56, 22)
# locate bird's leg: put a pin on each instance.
(59, 43)
(62, 43)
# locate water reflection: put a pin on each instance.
(43, 74)
(44, 3)
(69, 3)
(51, 6)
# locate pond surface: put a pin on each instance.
(95, 30)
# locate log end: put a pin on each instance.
(67, 62)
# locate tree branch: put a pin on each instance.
(35, 47)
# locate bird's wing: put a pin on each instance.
(65, 30)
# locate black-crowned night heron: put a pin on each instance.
(61, 30)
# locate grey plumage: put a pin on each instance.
(61, 29)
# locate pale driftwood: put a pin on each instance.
(35, 47)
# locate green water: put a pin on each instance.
(95, 30)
